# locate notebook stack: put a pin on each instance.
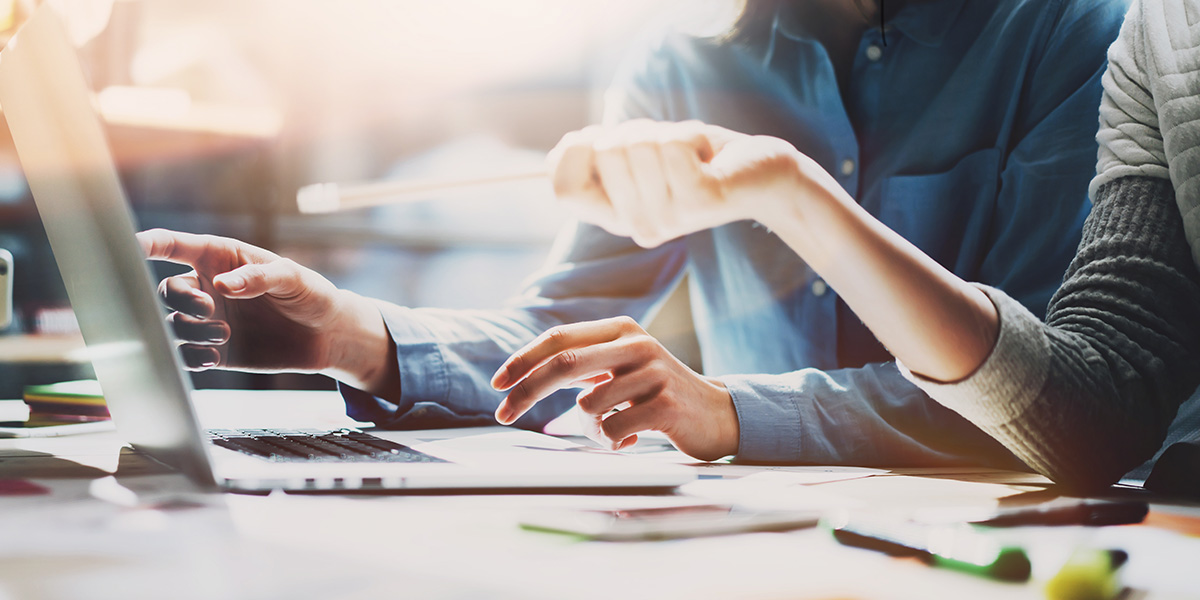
(67, 401)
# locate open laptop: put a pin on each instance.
(62, 148)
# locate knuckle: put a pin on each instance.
(657, 373)
(677, 147)
(556, 338)
(644, 146)
(285, 267)
(609, 149)
(566, 361)
(626, 323)
(571, 139)
(253, 271)
(644, 348)
(163, 244)
(521, 394)
(515, 365)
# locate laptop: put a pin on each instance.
(62, 149)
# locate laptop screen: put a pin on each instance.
(62, 149)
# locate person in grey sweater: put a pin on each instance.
(1091, 393)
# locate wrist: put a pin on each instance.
(362, 353)
(798, 185)
(728, 430)
(808, 209)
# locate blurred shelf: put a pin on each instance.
(45, 349)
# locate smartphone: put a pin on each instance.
(667, 522)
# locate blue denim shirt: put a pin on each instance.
(971, 133)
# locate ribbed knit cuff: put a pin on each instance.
(1011, 377)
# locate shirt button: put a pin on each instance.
(848, 167)
(874, 53)
(819, 287)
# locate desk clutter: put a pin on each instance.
(67, 401)
(85, 511)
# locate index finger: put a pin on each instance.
(192, 249)
(555, 341)
(176, 246)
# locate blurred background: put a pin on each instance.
(219, 110)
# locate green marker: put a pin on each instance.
(958, 547)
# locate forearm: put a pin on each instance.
(1089, 394)
(870, 416)
(939, 325)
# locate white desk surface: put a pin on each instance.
(142, 534)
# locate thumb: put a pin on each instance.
(280, 277)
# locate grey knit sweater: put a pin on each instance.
(1089, 394)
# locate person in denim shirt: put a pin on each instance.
(966, 127)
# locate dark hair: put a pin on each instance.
(754, 20)
(756, 16)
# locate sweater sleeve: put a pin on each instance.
(1130, 136)
(1089, 395)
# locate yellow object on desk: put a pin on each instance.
(1089, 574)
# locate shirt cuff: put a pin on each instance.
(768, 431)
(423, 373)
(1009, 380)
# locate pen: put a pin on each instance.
(958, 547)
(1085, 512)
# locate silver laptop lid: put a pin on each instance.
(72, 176)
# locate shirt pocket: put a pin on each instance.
(947, 215)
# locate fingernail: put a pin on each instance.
(235, 283)
(504, 415)
(500, 380)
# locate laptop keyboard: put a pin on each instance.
(290, 445)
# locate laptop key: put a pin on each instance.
(347, 445)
